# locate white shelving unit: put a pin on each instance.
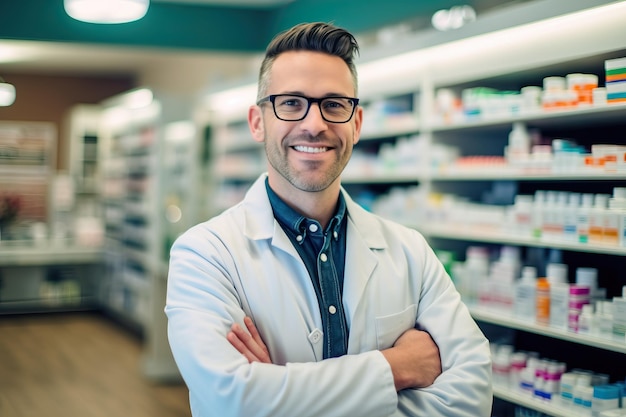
(548, 408)
(150, 172)
(129, 150)
(504, 60)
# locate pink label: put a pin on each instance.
(576, 289)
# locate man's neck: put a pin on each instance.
(320, 205)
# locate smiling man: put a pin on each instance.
(297, 301)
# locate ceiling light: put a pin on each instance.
(7, 93)
(453, 18)
(106, 11)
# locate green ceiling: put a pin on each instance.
(193, 26)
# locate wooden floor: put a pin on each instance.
(78, 365)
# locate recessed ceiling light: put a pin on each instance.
(106, 11)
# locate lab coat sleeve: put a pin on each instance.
(201, 305)
(464, 388)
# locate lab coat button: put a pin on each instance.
(323, 257)
(315, 336)
(332, 309)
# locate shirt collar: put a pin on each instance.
(296, 222)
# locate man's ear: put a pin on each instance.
(358, 122)
(255, 123)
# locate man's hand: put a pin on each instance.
(249, 344)
(414, 360)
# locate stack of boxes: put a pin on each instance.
(615, 80)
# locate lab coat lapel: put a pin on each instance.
(364, 238)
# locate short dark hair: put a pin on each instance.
(318, 37)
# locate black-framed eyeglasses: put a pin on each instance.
(294, 107)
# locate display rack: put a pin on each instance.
(504, 61)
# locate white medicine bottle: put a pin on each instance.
(525, 290)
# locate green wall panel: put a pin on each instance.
(165, 25)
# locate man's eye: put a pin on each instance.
(335, 105)
(291, 102)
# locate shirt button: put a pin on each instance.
(332, 309)
(323, 257)
(315, 336)
(335, 234)
(299, 238)
(313, 228)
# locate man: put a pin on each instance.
(297, 302)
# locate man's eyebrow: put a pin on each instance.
(300, 93)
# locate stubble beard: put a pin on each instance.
(312, 179)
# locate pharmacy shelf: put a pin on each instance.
(506, 173)
(391, 129)
(505, 319)
(385, 178)
(573, 117)
(478, 234)
(499, 173)
(43, 255)
(533, 403)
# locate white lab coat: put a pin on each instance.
(242, 263)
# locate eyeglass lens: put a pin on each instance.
(292, 108)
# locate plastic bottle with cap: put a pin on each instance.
(614, 221)
(588, 276)
(585, 320)
(597, 218)
(518, 147)
(537, 213)
(502, 365)
(568, 382)
(525, 293)
(570, 218)
(542, 301)
(604, 318)
(518, 363)
(583, 397)
(476, 270)
(617, 208)
(583, 218)
(556, 274)
(619, 314)
(578, 298)
(522, 215)
(551, 217)
(605, 397)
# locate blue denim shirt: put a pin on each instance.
(324, 254)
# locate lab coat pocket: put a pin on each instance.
(389, 328)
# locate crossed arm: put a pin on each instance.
(414, 358)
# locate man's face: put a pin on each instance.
(309, 154)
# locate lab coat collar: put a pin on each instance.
(260, 222)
